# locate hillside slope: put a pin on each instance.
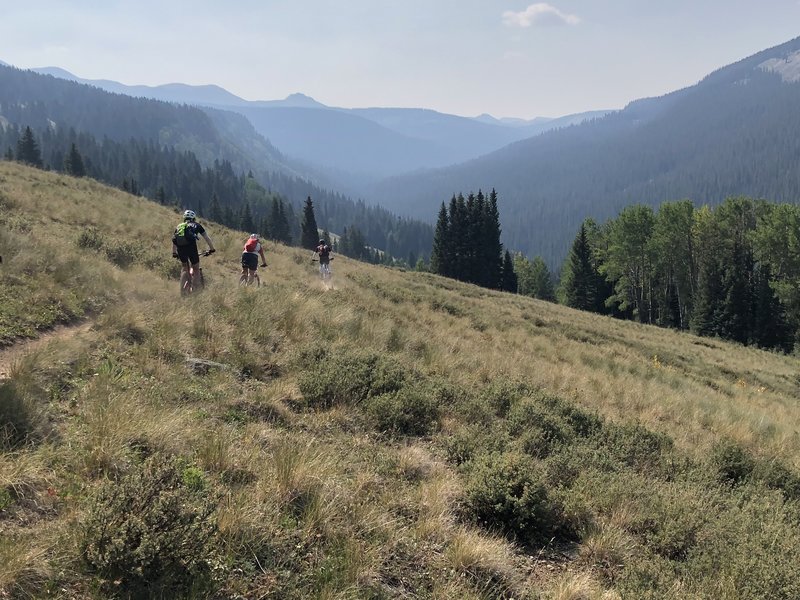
(400, 435)
(734, 133)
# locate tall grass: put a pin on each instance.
(392, 437)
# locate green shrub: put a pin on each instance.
(501, 393)
(471, 440)
(504, 492)
(778, 476)
(150, 533)
(635, 446)
(122, 254)
(411, 410)
(90, 238)
(731, 462)
(349, 379)
(539, 430)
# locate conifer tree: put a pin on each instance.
(9, 154)
(215, 210)
(308, 226)
(508, 281)
(246, 222)
(441, 259)
(28, 150)
(580, 278)
(492, 247)
(161, 195)
(73, 163)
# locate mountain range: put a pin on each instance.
(736, 132)
(352, 146)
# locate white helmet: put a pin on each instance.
(189, 214)
(253, 236)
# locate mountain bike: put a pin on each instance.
(192, 281)
(324, 268)
(250, 278)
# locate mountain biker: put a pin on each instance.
(184, 244)
(323, 251)
(252, 249)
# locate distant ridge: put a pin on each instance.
(736, 132)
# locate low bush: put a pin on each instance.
(122, 254)
(635, 446)
(90, 238)
(539, 430)
(349, 379)
(411, 410)
(731, 463)
(151, 532)
(504, 492)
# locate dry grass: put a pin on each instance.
(316, 497)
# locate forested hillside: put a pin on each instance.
(737, 132)
(730, 272)
(178, 155)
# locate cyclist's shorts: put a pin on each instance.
(188, 254)
(250, 261)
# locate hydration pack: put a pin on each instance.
(184, 235)
(250, 245)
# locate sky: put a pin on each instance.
(509, 58)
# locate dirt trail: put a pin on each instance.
(10, 354)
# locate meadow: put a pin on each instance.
(399, 435)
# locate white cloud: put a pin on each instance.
(538, 14)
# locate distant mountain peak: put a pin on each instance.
(4, 64)
(301, 100)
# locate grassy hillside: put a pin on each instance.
(397, 436)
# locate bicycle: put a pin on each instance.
(324, 269)
(247, 279)
(190, 281)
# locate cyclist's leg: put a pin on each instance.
(186, 277)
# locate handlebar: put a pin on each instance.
(208, 252)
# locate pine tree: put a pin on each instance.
(308, 226)
(215, 210)
(9, 153)
(441, 259)
(580, 280)
(771, 327)
(508, 278)
(28, 150)
(246, 222)
(73, 163)
(492, 248)
(161, 195)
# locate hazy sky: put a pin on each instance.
(505, 57)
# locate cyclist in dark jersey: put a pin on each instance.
(184, 242)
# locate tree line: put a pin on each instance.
(732, 271)
(466, 243)
(216, 192)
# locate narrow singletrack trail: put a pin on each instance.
(11, 354)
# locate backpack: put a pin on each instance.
(250, 245)
(323, 250)
(184, 235)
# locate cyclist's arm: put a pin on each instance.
(208, 241)
(261, 252)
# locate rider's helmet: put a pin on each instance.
(253, 236)
(189, 214)
(322, 241)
